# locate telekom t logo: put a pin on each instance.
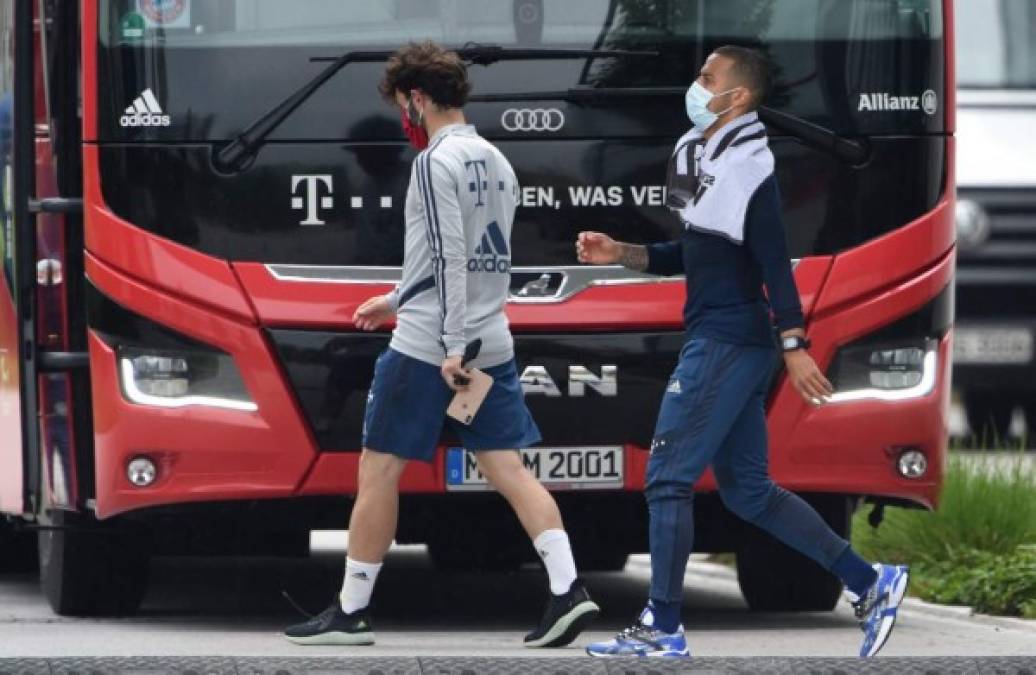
(478, 184)
(312, 200)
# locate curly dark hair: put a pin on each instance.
(438, 72)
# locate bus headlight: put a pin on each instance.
(174, 379)
(141, 471)
(160, 375)
(887, 372)
(912, 464)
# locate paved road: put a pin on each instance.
(234, 607)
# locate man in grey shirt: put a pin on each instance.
(456, 274)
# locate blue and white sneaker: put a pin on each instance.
(644, 640)
(877, 609)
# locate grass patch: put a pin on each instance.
(978, 548)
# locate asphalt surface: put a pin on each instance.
(235, 607)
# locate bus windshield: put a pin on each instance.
(828, 53)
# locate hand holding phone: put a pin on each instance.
(465, 404)
(470, 353)
(453, 367)
(477, 384)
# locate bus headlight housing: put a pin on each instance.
(884, 372)
(158, 366)
(173, 379)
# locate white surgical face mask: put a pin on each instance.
(697, 101)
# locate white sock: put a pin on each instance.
(358, 584)
(556, 554)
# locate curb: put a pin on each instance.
(723, 573)
(965, 613)
(144, 665)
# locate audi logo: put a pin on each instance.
(529, 119)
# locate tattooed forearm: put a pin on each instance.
(633, 257)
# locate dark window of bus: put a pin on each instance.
(827, 52)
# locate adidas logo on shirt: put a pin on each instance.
(492, 253)
(145, 112)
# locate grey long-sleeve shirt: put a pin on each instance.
(457, 259)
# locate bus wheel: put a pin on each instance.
(93, 568)
(775, 578)
(483, 553)
(17, 550)
(599, 557)
(989, 417)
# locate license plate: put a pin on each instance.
(992, 345)
(588, 468)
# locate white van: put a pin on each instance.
(995, 368)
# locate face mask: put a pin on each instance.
(413, 128)
(697, 101)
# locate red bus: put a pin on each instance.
(198, 194)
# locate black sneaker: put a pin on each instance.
(565, 618)
(333, 627)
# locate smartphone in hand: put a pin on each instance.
(466, 403)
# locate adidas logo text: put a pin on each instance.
(493, 264)
(493, 252)
(145, 112)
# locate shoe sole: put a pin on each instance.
(889, 622)
(644, 655)
(568, 627)
(334, 638)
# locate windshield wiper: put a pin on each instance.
(236, 155)
(580, 94)
(484, 55)
(239, 152)
(850, 150)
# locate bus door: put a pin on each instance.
(19, 468)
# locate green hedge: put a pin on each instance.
(992, 583)
(977, 549)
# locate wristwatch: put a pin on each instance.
(794, 343)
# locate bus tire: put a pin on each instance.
(93, 568)
(17, 550)
(776, 578)
(599, 558)
(482, 553)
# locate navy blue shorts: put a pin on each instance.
(406, 410)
